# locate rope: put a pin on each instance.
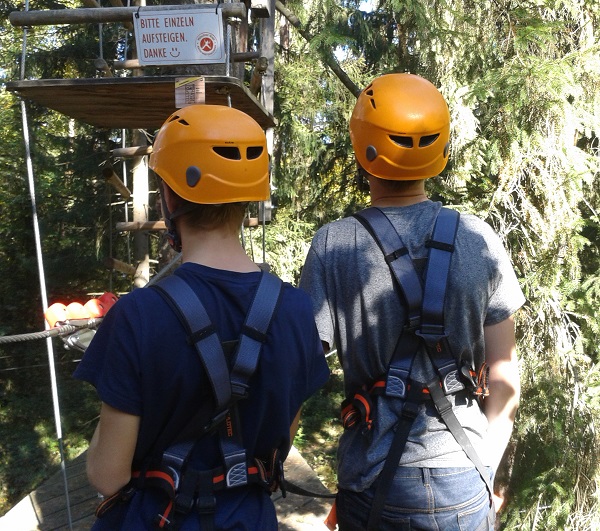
(64, 330)
(35, 335)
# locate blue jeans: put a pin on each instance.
(425, 499)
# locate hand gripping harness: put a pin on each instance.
(186, 487)
(424, 328)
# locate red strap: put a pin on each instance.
(331, 520)
(163, 519)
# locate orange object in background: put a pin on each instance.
(95, 308)
(107, 300)
(57, 312)
(92, 309)
(76, 310)
(98, 307)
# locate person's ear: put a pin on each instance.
(171, 199)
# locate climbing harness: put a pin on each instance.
(186, 487)
(424, 332)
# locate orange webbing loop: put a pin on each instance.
(331, 520)
(162, 520)
(356, 411)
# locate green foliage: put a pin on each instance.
(28, 438)
(321, 426)
(282, 244)
(71, 206)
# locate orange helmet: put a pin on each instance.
(400, 128)
(212, 154)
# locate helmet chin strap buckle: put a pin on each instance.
(371, 153)
(174, 240)
(172, 236)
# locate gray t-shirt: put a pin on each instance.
(359, 311)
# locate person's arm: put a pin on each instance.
(111, 450)
(500, 407)
(294, 427)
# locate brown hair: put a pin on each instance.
(208, 217)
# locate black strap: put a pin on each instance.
(432, 329)
(444, 408)
(397, 257)
(252, 338)
(441, 247)
(410, 409)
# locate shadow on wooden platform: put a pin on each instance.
(45, 509)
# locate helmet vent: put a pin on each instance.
(425, 141)
(369, 92)
(177, 118)
(253, 152)
(403, 141)
(228, 152)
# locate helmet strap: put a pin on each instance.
(172, 235)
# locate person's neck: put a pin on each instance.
(218, 248)
(398, 200)
(386, 194)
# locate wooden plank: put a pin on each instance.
(132, 102)
(89, 15)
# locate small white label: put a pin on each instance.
(189, 91)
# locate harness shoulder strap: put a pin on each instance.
(407, 280)
(432, 331)
(397, 258)
(191, 312)
(226, 386)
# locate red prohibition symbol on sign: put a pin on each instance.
(206, 43)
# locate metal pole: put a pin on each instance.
(44, 296)
(42, 279)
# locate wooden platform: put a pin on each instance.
(132, 102)
(45, 508)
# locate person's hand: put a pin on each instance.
(498, 502)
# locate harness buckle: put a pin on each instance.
(410, 410)
(206, 504)
(396, 382)
(239, 390)
(413, 323)
(236, 469)
(216, 420)
(431, 334)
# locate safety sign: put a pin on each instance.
(179, 36)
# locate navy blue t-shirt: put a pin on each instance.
(141, 363)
